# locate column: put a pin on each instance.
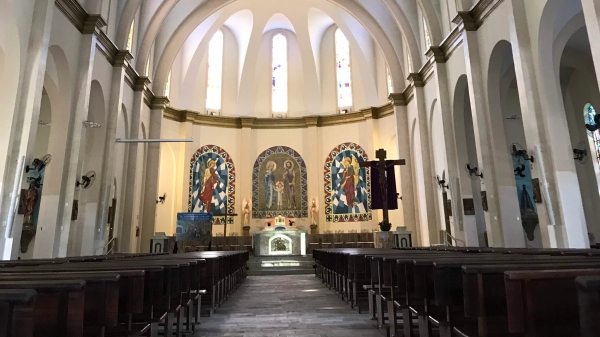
(52, 240)
(24, 126)
(152, 173)
(430, 187)
(105, 176)
(469, 235)
(131, 218)
(591, 12)
(503, 222)
(532, 114)
(406, 187)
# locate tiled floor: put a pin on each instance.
(293, 305)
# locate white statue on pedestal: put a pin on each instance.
(246, 212)
(314, 210)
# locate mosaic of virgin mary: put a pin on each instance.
(279, 184)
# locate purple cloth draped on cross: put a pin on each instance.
(376, 195)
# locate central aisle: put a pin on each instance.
(291, 305)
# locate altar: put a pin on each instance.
(279, 240)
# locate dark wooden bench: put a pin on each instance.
(16, 301)
(58, 308)
(589, 304)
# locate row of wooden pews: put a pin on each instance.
(118, 295)
(467, 292)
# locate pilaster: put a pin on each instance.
(248, 152)
(133, 218)
(503, 224)
(152, 173)
(24, 125)
(407, 192)
(531, 110)
(452, 162)
(431, 203)
(108, 163)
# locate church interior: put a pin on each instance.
(300, 168)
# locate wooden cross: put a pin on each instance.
(381, 167)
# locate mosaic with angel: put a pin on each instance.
(212, 182)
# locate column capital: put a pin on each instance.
(141, 83)
(122, 58)
(397, 99)
(93, 22)
(417, 79)
(160, 102)
(247, 122)
(465, 19)
(436, 53)
(311, 121)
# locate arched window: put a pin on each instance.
(168, 85)
(390, 83)
(410, 65)
(279, 96)
(344, 71)
(215, 71)
(594, 136)
(427, 35)
(130, 36)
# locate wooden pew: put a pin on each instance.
(19, 301)
(420, 286)
(58, 307)
(544, 302)
(589, 304)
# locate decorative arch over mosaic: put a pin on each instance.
(279, 184)
(343, 177)
(212, 183)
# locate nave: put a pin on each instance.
(287, 305)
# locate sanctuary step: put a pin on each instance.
(280, 265)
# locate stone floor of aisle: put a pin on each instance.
(289, 305)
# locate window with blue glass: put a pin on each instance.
(589, 114)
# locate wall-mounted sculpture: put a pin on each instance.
(279, 184)
(347, 186)
(212, 183)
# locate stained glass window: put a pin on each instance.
(427, 35)
(344, 71)
(410, 65)
(390, 83)
(594, 137)
(215, 71)
(279, 96)
(168, 85)
(130, 37)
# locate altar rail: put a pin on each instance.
(313, 241)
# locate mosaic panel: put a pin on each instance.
(212, 183)
(279, 184)
(343, 178)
